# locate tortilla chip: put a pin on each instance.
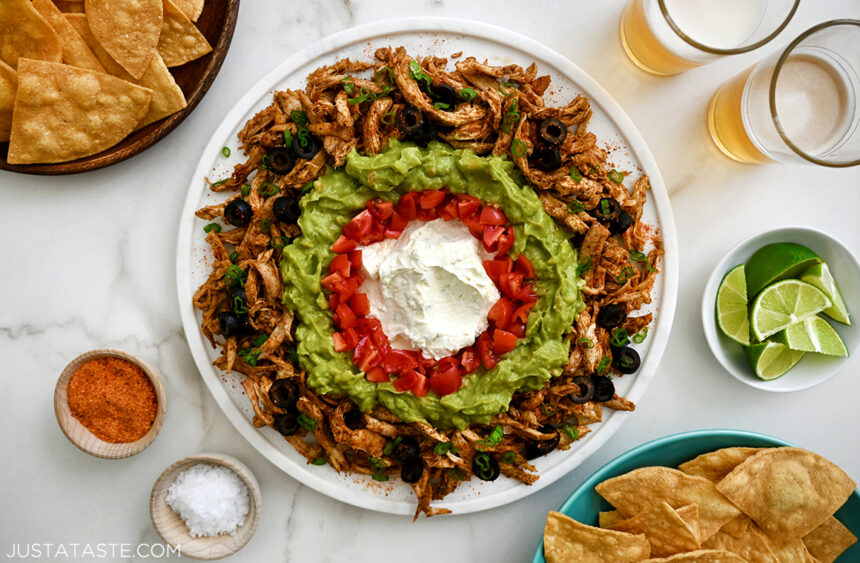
(715, 465)
(608, 518)
(127, 29)
(63, 112)
(180, 40)
(790, 551)
(79, 23)
(8, 87)
(667, 533)
(641, 488)
(167, 96)
(191, 8)
(752, 545)
(701, 556)
(70, 6)
(566, 540)
(75, 50)
(788, 492)
(24, 33)
(829, 540)
(690, 515)
(738, 526)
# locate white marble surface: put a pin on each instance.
(88, 261)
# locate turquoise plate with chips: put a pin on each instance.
(584, 503)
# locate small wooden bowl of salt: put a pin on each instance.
(207, 505)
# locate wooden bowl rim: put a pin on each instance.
(244, 533)
(80, 435)
(160, 129)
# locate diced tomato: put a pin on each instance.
(366, 354)
(333, 300)
(421, 387)
(428, 214)
(407, 381)
(360, 304)
(431, 198)
(501, 312)
(377, 375)
(369, 325)
(445, 382)
(506, 241)
(527, 293)
(399, 361)
(474, 224)
(511, 283)
(491, 237)
(447, 362)
(380, 209)
(407, 206)
(339, 342)
(334, 282)
(340, 263)
(396, 226)
(376, 234)
(344, 244)
(355, 259)
(522, 312)
(467, 205)
(484, 345)
(359, 226)
(493, 216)
(426, 363)
(525, 267)
(346, 316)
(381, 342)
(469, 359)
(448, 212)
(349, 288)
(503, 341)
(352, 338)
(519, 329)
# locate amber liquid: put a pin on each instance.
(644, 49)
(726, 124)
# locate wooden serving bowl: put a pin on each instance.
(217, 23)
(172, 529)
(79, 435)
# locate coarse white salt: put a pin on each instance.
(211, 499)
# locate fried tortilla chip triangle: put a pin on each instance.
(127, 29)
(24, 33)
(8, 86)
(180, 40)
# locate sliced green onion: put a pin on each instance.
(619, 338)
(377, 464)
(212, 227)
(507, 84)
(586, 343)
(584, 267)
(511, 117)
(575, 175)
(388, 117)
(302, 136)
(484, 467)
(442, 448)
(389, 447)
(260, 339)
(637, 256)
(239, 305)
(307, 187)
(266, 225)
(441, 105)
(418, 74)
(269, 189)
(548, 412)
(294, 354)
(603, 365)
(279, 242)
(495, 437)
(246, 189)
(640, 336)
(625, 275)
(288, 137)
(575, 206)
(225, 151)
(615, 176)
(651, 268)
(571, 431)
(250, 356)
(594, 170)
(299, 117)
(377, 74)
(319, 461)
(307, 422)
(509, 457)
(264, 162)
(604, 206)
(379, 477)
(455, 473)
(234, 275)
(347, 84)
(219, 182)
(518, 148)
(234, 256)
(467, 94)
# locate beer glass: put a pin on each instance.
(797, 105)
(666, 37)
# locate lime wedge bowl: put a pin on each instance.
(814, 368)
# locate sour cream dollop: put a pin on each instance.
(428, 288)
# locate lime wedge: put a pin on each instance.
(771, 359)
(778, 261)
(784, 303)
(812, 334)
(819, 276)
(732, 314)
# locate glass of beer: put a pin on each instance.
(797, 105)
(666, 37)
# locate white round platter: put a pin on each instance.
(443, 37)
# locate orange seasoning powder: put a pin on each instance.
(113, 398)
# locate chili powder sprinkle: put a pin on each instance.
(113, 398)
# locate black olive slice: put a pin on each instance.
(485, 467)
(426, 133)
(607, 209)
(586, 390)
(411, 471)
(407, 450)
(280, 160)
(286, 209)
(354, 419)
(620, 224)
(409, 120)
(604, 389)
(307, 151)
(552, 131)
(545, 158)
(232, 324)
(445, 94)
(611, 316)
(626, 360)
(537, 448)
(238, 212)
(286, 424)
(284, 393)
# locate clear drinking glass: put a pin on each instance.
(670, 36)
(798, 105)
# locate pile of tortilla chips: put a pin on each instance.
(731, 505)
(77, 76)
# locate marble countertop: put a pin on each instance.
(89, 263)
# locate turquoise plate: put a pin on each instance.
(584, 504)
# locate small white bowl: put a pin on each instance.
(813, 369)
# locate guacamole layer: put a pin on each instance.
(403, 167)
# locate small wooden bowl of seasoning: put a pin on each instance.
(207, 505)
(109, 403)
